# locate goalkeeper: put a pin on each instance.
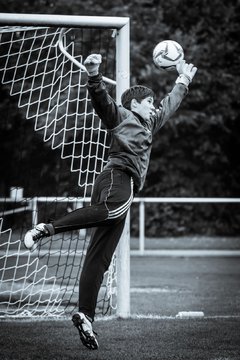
(131, 127)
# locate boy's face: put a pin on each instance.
(145, 108)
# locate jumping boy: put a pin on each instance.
(131, 127)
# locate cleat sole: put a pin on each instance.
(87, 340)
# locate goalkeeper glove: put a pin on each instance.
(92, 63)
(186, 72)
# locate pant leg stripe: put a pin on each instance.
(123, 208)
(120, 211)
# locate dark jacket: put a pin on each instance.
(131, 135)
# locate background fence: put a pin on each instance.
(32, 205)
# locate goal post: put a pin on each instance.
(123, 251)
(46, 74)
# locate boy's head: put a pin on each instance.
(139, 99)
(137, 92)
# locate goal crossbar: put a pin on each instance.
(63, 20)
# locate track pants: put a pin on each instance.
(112, 196)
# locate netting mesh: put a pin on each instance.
(50, 92)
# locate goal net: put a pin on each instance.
(55, 147)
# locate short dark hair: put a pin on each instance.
(137, 92)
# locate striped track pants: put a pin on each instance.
(112, 197)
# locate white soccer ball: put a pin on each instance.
(167, 54)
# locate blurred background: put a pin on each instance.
(196, 154)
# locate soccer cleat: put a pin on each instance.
(85, 330)
(33, 236)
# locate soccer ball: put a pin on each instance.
(167, 54)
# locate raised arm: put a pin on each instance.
(103, 103)
(172, 101)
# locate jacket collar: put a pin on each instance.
(142, 121)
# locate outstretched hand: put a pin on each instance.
(188, 70)
(92, 63)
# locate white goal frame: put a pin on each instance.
(122, 34)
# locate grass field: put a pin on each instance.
(162, 339)
(161, 287)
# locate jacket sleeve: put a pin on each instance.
(169, 105)
(103, 103)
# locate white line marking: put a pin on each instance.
(166, 317)
(185, 253)
(153, 290)
(163, 253)
(114, 317)
(189, 314)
